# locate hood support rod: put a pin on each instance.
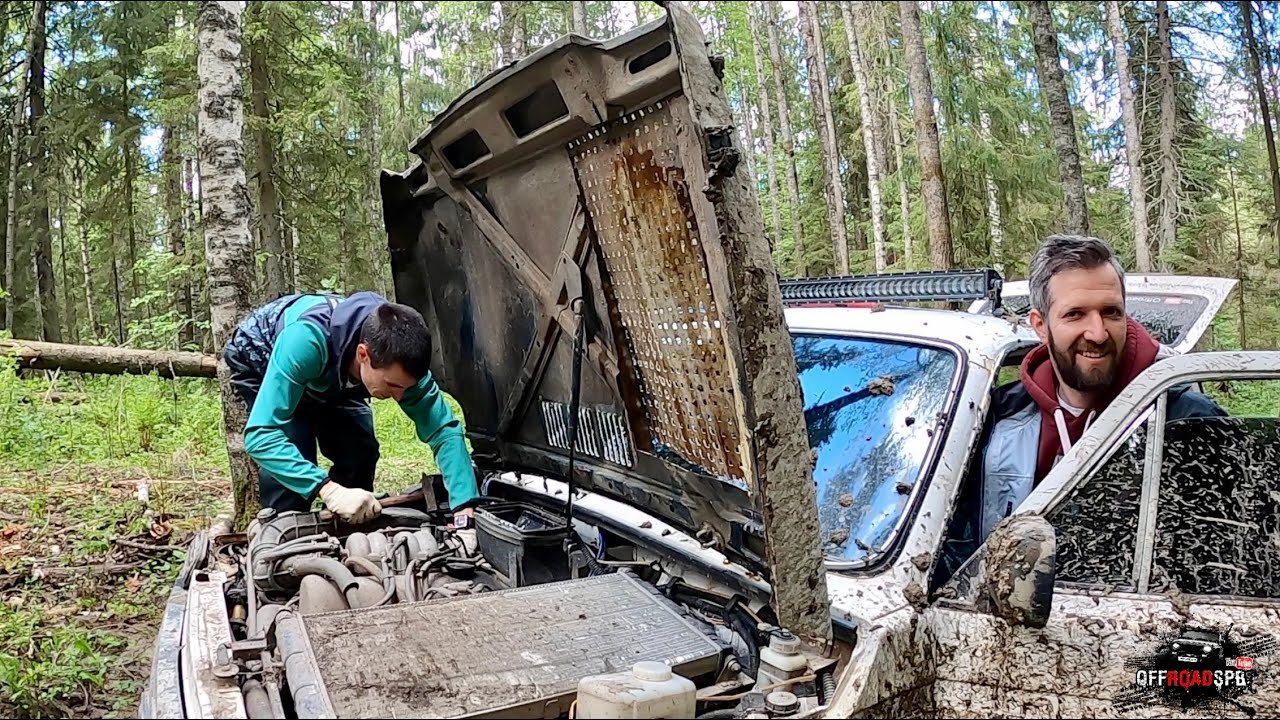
(575, 400)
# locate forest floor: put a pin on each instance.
(103, 481)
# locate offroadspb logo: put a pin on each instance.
(1199, 667)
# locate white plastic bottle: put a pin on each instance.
(648, 690)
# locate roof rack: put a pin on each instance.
(928, 286)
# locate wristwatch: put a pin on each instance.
(462, 521)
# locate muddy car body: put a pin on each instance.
(581, 239)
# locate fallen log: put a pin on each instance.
(109, 360)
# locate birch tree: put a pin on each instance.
(815, 57)
(870, 136)
(995, 220)
(228, 247)
(766, 119)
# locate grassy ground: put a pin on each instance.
(102, 481)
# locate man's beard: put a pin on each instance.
(1080, 379)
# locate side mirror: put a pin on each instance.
(1020, 563)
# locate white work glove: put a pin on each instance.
(468, 538)
(353, 505)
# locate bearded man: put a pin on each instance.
(1091, 349)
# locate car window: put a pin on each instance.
(873, 409)
(1097, 524)
(1216, 521)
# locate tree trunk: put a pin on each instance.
(179, 288)
(766, 116)
(748, 124)
(1168, 128)
(1132, 140)
(226, 224)
(519, 31)
(1235, 210)
(1054, 87)
(268, 200)
(191, 224)
(788, 139)
(815, 57)
(1255, 69)
(579, 16)
(993, 197)
(82, 222)
(932, 181)
(68, 295)
(129, 170)
(395, 6)
(870, 135)
(908, 249)
(119, 295)
(109, 360)
(378, 261)
(42, 241)
(293, 249)
(11, 198)
(1269, 53)
(994, 218)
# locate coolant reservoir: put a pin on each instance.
(649, 690)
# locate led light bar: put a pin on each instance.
(929, 286)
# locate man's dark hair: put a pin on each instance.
(1059, 253)
(396, 333)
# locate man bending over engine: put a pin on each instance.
(306, 366)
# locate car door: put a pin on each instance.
(1163, 530)
(1176, 309)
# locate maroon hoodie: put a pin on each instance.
(1041, 382)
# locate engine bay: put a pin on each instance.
(398, 617)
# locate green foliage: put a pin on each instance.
(42, 662)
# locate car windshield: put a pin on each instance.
(872, 407)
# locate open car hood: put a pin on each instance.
(608, 171)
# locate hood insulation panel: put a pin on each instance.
(639, 203)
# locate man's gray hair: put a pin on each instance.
(1059, 253)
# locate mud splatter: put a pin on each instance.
(881, 386)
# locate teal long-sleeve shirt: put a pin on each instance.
(297, 363)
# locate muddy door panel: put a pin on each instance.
(1075, 666)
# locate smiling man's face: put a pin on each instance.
(1085, 327)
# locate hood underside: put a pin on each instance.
(607, 171)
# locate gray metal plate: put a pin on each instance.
(515, 653)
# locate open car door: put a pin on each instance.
(1175, 309)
